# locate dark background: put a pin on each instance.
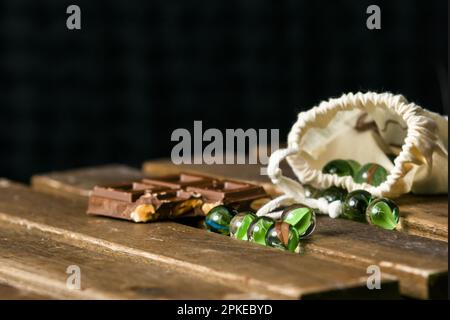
(115, 90)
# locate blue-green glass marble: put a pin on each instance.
(371, 173)
(383, 213)
(282, 236)
(355, 205)
(302, 218)
(258, 230)
(334, 193)
(240, 223)
(341, 167)
(218, 219)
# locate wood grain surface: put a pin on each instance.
(248, 270)
(79, 182)
(425, 216)
(420, 263)
(41, 260)
(8, 292)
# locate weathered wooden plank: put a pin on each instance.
(422, 216)
(8, 292)
(79, 182)
(425, 216)
(34, 259)
(419, 263)
(245, 266)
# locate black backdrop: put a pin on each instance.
(115, 90)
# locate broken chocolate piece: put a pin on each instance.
(142, 202)
(171, 197)
(239, 195)
(122, 192)
(179, 181)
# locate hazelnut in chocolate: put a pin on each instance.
(170, 197)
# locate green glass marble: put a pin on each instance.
(383, 213)
(240, 223)
(355, 166)
(282, 236)
(355, 205)
(258, 230)
(371, 173)
(302, 218)
(218, 219)
(334, 193)
(339, 167)
(311, 192)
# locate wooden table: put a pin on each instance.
(44, 230)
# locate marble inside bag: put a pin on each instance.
(377, 135)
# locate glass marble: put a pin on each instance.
(282, 235)
(334, 193)
(371, 173)
(240, 223)
(218, 219)
(383, 213)
(355, 205)
(302, 218)
(355, 166)
(340, 167)
(258, 230)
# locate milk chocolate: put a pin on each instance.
(239, 195)
(172, 197)
(179, 181)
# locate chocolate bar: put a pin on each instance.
(179, 181)
(172, 197)
(241, 196)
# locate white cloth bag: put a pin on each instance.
(366, 127)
